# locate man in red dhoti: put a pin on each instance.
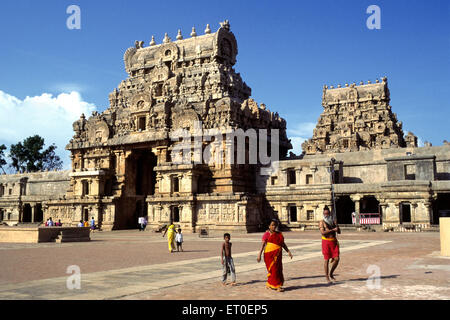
(330, 245)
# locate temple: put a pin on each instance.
(122, 159)
(126, 160)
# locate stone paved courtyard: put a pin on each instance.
(137, 265)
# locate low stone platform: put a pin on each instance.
(44, 234)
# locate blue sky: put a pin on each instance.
(287, 51)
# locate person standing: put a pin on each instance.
(330, 246)
(140, 223)
(144, 223)
(170, 236)
(92, 224)
(273, 245)
(179, 240)
(227, 261)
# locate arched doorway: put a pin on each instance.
(140, 182)
(344, 208)
(140, 170)
(405, 212)
(26, 213)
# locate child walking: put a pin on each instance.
(227, 263)
(179, 240)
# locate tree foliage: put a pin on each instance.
(29, 156)
(2, 157)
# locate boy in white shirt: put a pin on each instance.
(179, 240)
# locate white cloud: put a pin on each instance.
(299, 133)
(67, 87)
(49, 116)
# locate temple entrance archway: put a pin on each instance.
(140, 178)
(140, 182)
(344, 208)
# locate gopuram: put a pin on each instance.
(122, 159)
(160, 150)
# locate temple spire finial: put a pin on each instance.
(153, 42)
(208, 29)
(193, 33)
(225, 25)
(166, 38)
(179, 35)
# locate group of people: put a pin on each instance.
(272, 245)
(86, 223)
(91, 224)
(51, 223)
(174, 236)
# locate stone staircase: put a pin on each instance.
(70, 236)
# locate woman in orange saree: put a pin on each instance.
(273, 243)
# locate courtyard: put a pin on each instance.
(129, 264)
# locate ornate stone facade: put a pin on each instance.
(123, 158)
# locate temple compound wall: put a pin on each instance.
(23, 196)
(406, 186)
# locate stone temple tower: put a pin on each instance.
(123, 158)
(357, 117)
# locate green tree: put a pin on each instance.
(2, 157)
(28, 156)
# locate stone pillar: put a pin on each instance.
(429, 211)
(356, 199)
(299, 213)
(316, 215)
(150, 214)
(189, 209)
(284, 214)
(283, 178)
(414, 215)
(396, 213)
(33, 212)
(98, 215)
(298, 172)
(383, 207)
